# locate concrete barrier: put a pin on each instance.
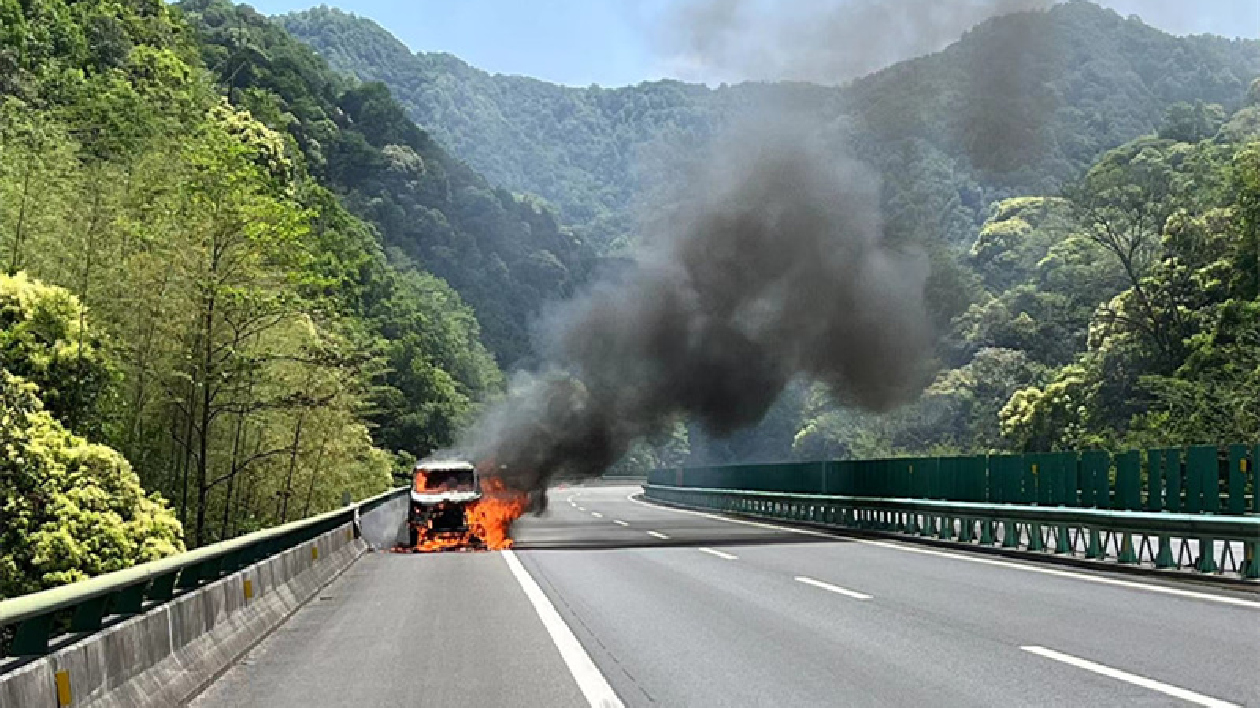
(386, 525)
(166, 655)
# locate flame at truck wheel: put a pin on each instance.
(490, 517)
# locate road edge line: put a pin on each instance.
(1015, 564)
(590, 680)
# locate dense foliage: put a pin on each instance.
(1123, 313)
(504, 254)
(189, 308)
(70, 509)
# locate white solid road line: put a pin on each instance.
(619, 522)
(720, 554)
(589, 679)
(1183, 694)
(597, 515)
(1223, 599)
(833, 588)
(658, 534)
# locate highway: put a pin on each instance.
(612, 601)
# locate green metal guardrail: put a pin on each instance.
(1097, 533)
(1196, 479)
(134, 590)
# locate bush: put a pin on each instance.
(69, 509)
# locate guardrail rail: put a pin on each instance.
(79, 609)
(1193, 507)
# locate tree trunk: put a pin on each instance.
(310, 488)
(288, 480)
(203, 432)
(16, 255)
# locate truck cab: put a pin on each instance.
(441, 493)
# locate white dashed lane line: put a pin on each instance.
(833, 588)
(720, 554)
(658, 534)
(597, 515)
(619, 522)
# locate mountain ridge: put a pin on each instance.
(1087, 80)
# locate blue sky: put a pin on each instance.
(618, 42)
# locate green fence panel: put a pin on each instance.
(1155, 460)
(1211, 483)
(996, 478)
(1237, 480)
(1040, 466)
(1097, 467)
(1255, 483)
(1174, 480)
(1057, 476)
(1072, 480)
(1009, 475)
(1200, 464)
(1026, 489)
(1090, 466)
(975, 473)
(1156, 479)
(1129, 481)
(925, 476)
(949, 478)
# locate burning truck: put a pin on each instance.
(454, 507)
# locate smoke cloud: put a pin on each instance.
(822, 41)
(773, 266)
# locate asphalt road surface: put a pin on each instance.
(610, 601)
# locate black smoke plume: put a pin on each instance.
(821, 41)
(772, 266)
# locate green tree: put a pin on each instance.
(45, 338)
(68, 509)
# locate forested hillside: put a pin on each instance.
(188, 308)
(1019, 105)
(502, 253)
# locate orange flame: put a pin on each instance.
(491, 516)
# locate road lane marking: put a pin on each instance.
(581, 508)
(1178, 592)
(589, 679)
(619, 522)
(720, 554)
(597, 515)
(1175, 692)
(658, 534)
(833, 588)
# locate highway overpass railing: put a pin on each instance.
(1193, 507)
(82, 608)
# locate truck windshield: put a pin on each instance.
(444, 481)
